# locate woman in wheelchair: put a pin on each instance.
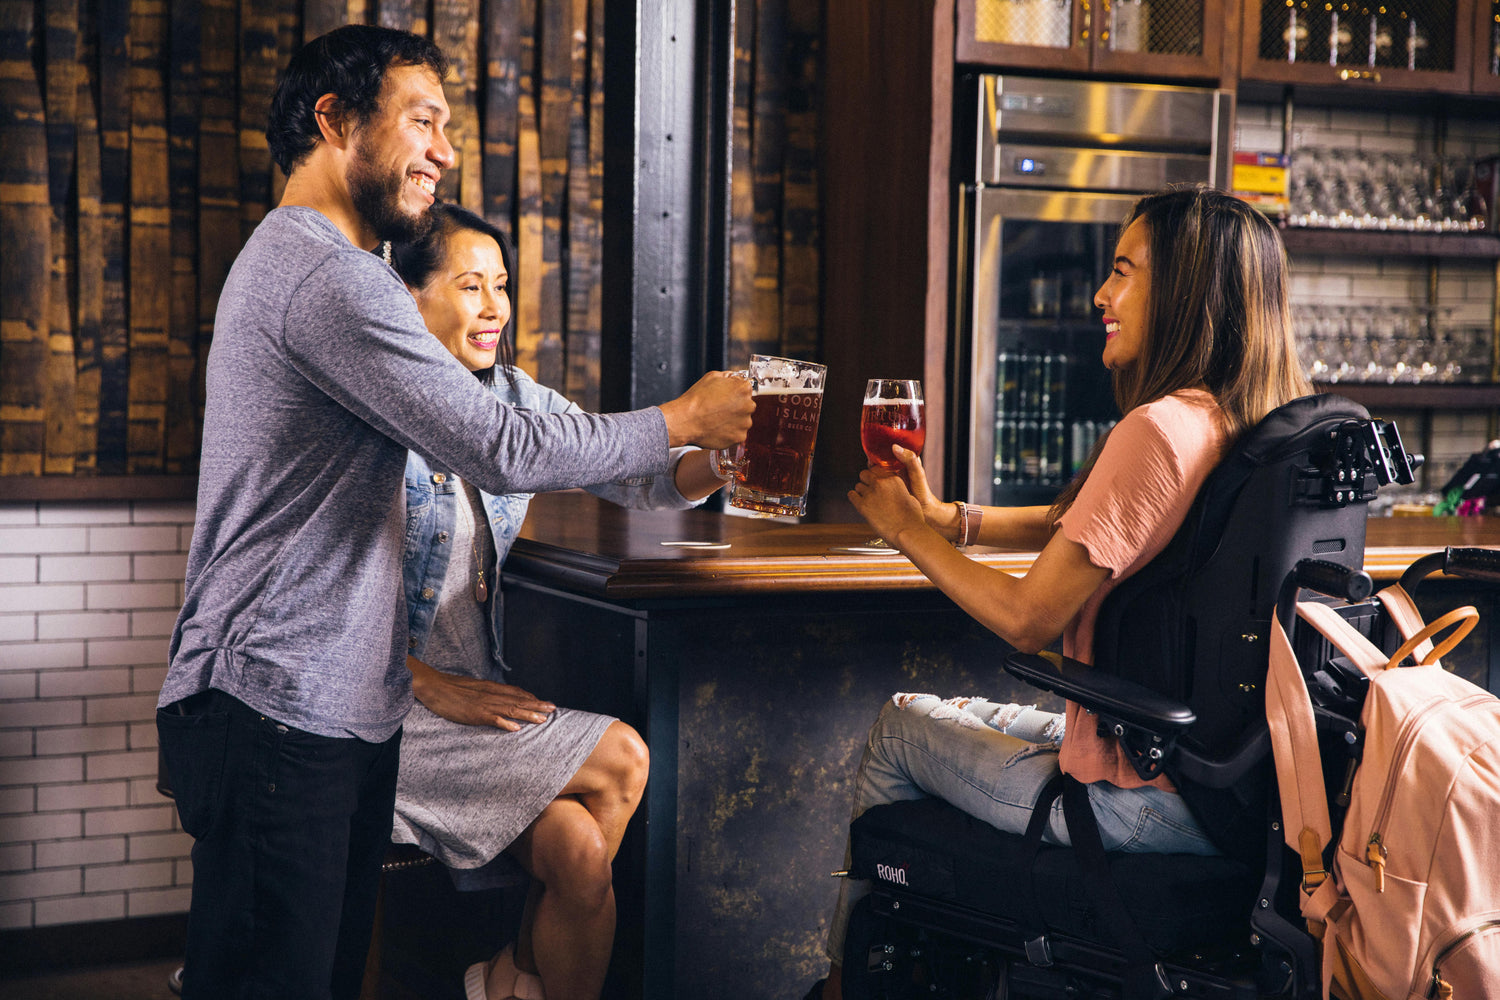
(1197, 334)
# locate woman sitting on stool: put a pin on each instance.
(492, 776)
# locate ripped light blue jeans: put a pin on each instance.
(992, 761)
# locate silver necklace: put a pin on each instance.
(481, 591)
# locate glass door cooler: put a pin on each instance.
(1056, 165)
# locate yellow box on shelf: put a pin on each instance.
(1262, 179)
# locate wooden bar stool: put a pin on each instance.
(398, 857)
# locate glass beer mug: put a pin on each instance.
(771, 470)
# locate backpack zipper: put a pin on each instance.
(1375, 849)
(1375, 854)
(1440, 988)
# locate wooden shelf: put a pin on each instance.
(84, 489)
(1419, 396)
(1375, 243)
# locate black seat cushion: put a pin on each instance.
(935, 850)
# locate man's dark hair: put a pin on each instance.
(349, 62)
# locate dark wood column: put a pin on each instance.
(887, 140)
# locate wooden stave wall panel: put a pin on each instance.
(61, 106)
(260, 58)
(184, 112)
(113, 23)
(321, 16)
(149, 244)
(592, 329)
(743, 253)
(554, 73)
(502, 88)
(26, 235)
(774, 302)
(219, 187)
(88, 247)
(800, 256)
(581, 273)
(455, 29)
(142, 264)
(528, 229)
(404, 15)
(768, 154)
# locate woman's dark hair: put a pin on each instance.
(1218, 316)
(349, 62)
(423, 259)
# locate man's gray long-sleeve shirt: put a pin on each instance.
(320, 377)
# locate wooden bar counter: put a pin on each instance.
(575, 540)
(753, 659)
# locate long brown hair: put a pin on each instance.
(1217, 313)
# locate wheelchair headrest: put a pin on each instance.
(1284, 430)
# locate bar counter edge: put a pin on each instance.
(575, 540)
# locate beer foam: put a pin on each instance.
(891, 401)
(781, 390)
(790, 375)
(777, 369)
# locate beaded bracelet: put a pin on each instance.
(968, 523)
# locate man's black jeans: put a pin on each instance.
(289, 830)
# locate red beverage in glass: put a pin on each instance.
(891, 422)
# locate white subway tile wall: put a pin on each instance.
(88, 596)
(1466, 287)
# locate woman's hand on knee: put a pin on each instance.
(471, 701)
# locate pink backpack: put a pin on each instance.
(1411, 907)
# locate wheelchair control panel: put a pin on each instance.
(1361, 457)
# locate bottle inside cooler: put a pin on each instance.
(1053, 396)
(1042, 434)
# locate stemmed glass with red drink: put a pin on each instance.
(893, 414)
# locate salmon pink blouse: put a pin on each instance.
(1133, 502)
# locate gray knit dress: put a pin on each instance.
(465, 792)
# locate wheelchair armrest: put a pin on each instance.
(1222, 773)
(1103, 694)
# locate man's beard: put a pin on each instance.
(377, 198)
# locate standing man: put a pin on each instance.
(281, 713)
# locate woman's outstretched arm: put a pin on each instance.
(1029, 612)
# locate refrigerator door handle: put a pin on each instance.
(984, 251)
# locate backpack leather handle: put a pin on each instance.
(1461, 620)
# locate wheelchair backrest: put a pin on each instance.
(1194, 622)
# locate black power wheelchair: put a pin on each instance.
(959, 909)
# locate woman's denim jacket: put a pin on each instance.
(432, 499)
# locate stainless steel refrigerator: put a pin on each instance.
(1047, 170)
